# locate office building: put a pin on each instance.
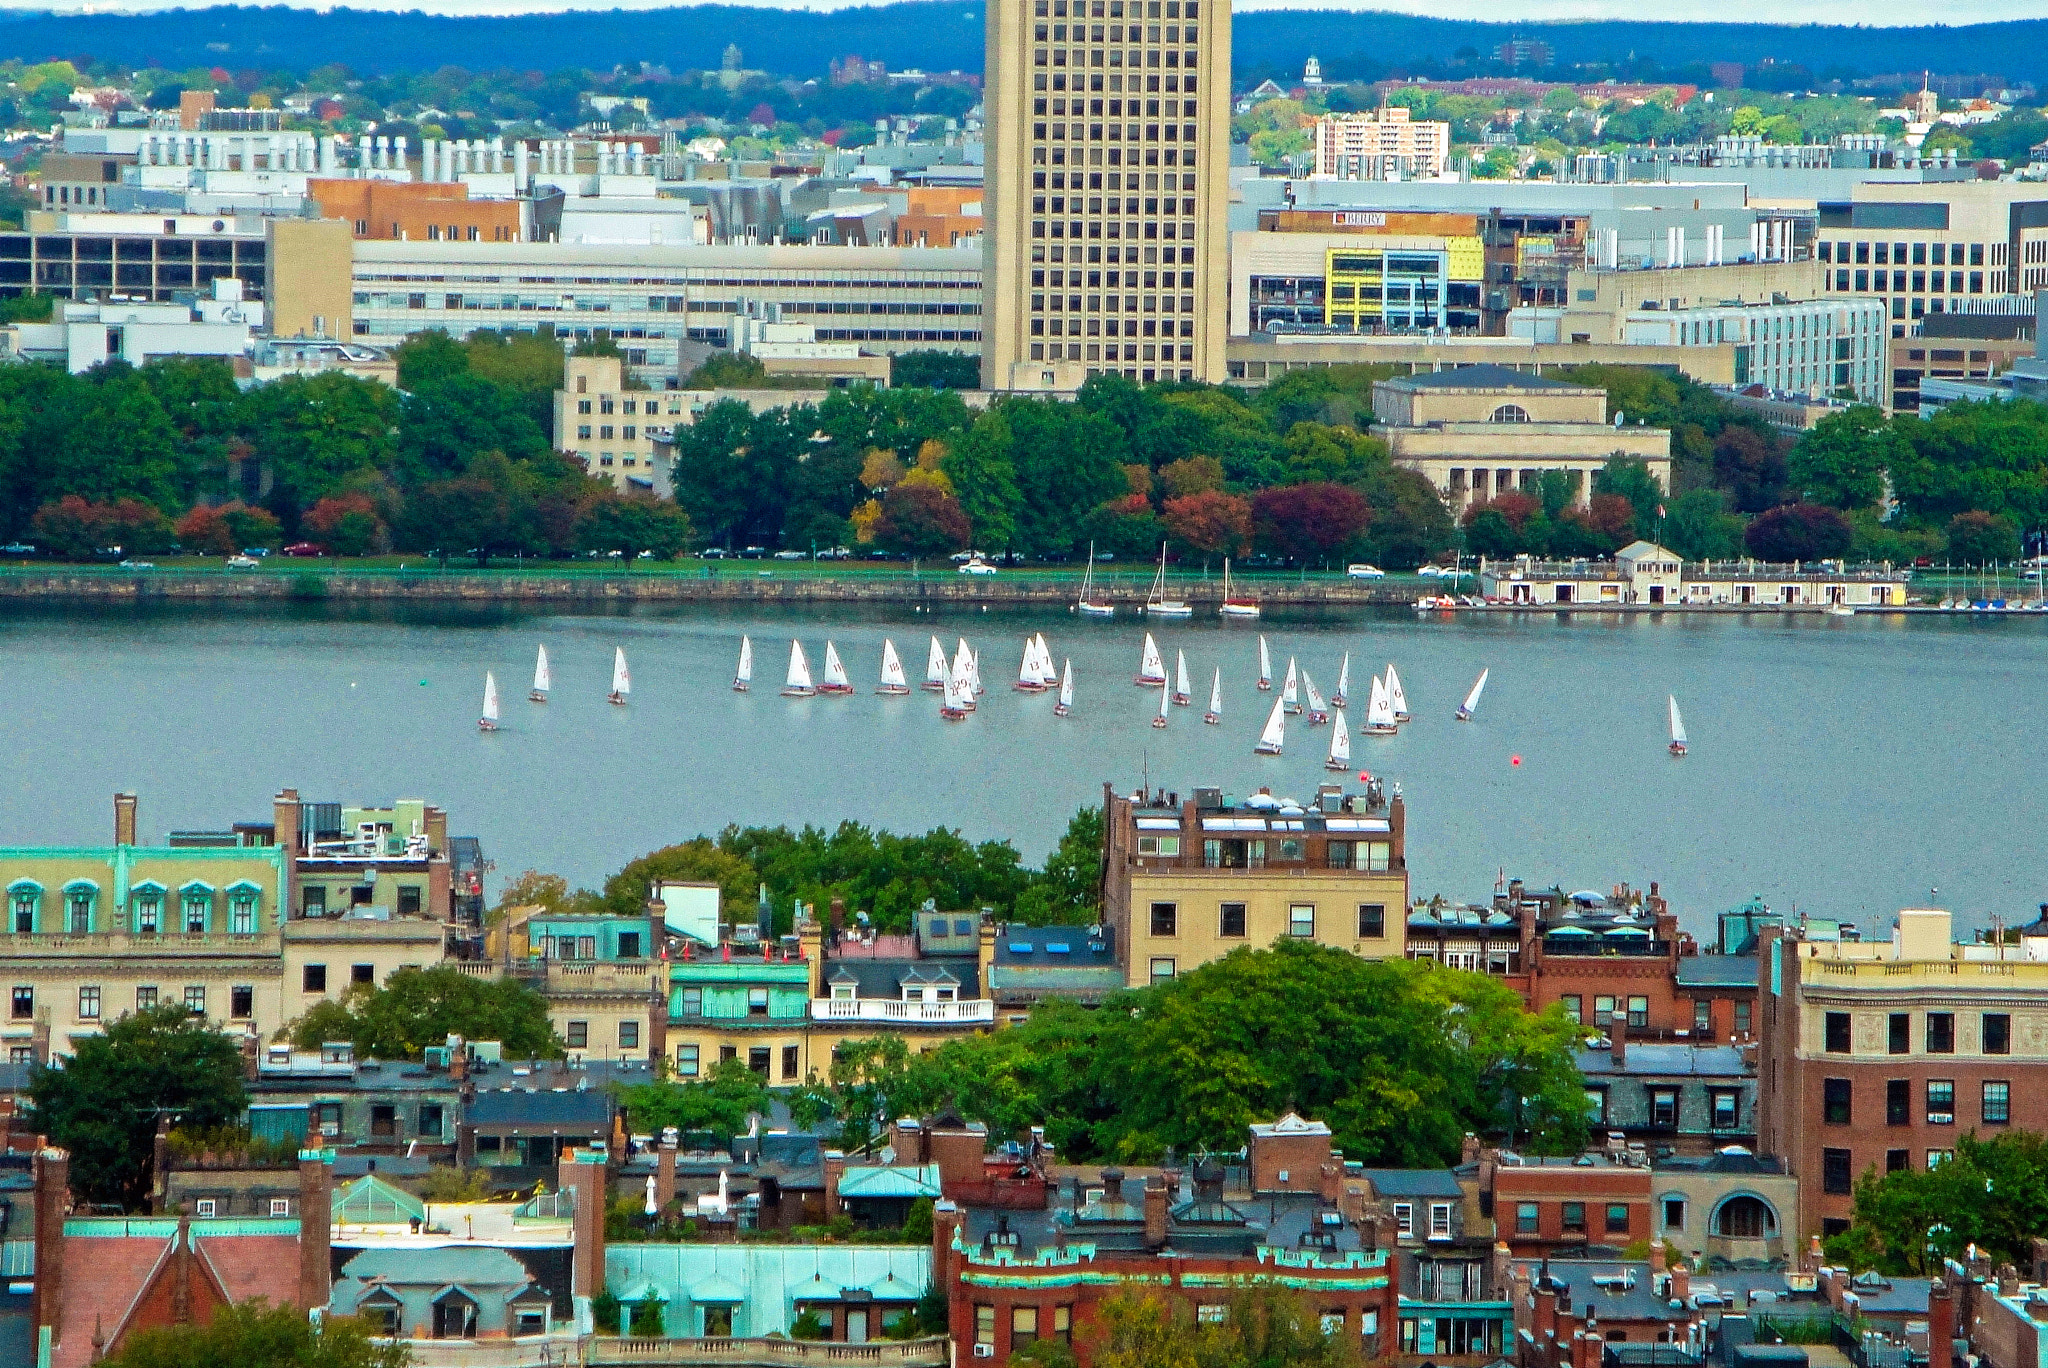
(1371, 273)
(84, 334)
(613, 430)
(1928, 249)
(1381, 144)
(1966, 348)
(1108, 153)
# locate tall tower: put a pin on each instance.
(1105, 245)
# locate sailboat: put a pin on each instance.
(1151, 668)
(542, 680)
(893, 683)
(1234, 607)
(1165, 702)
(1343, 694)
(622, 682)
(1265, 666)
(1677, 728)
(1379, 711)
(1339, 757)
(935, 672)
(489, 720)
(953, 705)
(1066, 703)
(1180, 679)
(1318, 711)
(835, 681)
(1215, 713)
(1028, 679)
(1290, 690)
(743, 677)
(1047, 675)
(1471, 703)
(974, 675)
(959, 677)
(1157, 604)
(1088, 605)
(798, 684)
(1275, 734)
(1397, 697)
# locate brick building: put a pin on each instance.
(1583, 1204)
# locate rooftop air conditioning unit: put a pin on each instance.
(984, 1351)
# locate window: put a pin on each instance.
(408, 900)
(693, 1002)
(1834, 1101)
(1899, 1033)
(1674, 1213)
(23, 901)
(1702, 1015)
(629, 1035)
(686, 1061)
(1639, 1012)
(789, 1062)
(1727, 1110)
(198, 909)
(1301, 921)
(1525, 1218)
(206, 1206)
(242, 911)
(89, 1003)
(78, 909)
(1165, 918)
(1838, 1033)
(578, 1035)
(757, 1060)
(1663, 1106)
(1162, 970)
(1898, 1161)
(1941, 1033)
(1211, 1313)
(145, 998)
(280, 1206)
(363, 973)
(149, 911)
(1742, 1010)
(1509, 413)
(1023, 1326)
(242, 1001)
(1997, 1033)
(757, 1002)
(195, 999)
(1230, 922)
(1936, 1158)
(313, 978)
(1575, 1218)
(24, 1002)
(430, 1119)
(1617, 1218)
(586, 947)
(1159, 845)
(629, 945)
(1941, 1101)
(1575, 1008)
(985, 1325)
(1603, 1011)
(1997, 1103)
(1439, 1220)
(1404, 1219)
(1372, 921)
(1596, 1106)
(1063, 1324)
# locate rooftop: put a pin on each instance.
(1480, 377)
(1668, 1061)
(1717, 971)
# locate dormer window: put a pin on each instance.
(842, 992)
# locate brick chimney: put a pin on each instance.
(284, 817)
(160, 1164)
(1617, 1038)
(437, 829)
(1656, 1256)
(316, 1229)
(458, 1059)
(1333, 1184)
(1587, 1347)
(1941, 1325)
(53, 1203)
(1546, 1313)
(124, 819)
(1681, 1281)
(2038, 1250)
(1469, 1149)
(664, 1176)
(1155, 1213)
(835, 1169)
(577, 1173)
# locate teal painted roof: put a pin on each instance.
(770, 1279)
(370, 1200)
(461, 1265)
(891, 1180)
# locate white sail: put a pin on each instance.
(974, 674)
(1290, 690)
(1677, 723)
(1471, 704)
(542, 679)
(744, 675)
(1265, 665)
(798, 681)
(490, 697)
(1271, 739)
(622, 680)
(1340, 745)
(951, 704)
(1343, 694)
(935, 672)
(835, 671)
(1027, 671)
(959, 669)
(1066, 703)
(1165, 702)
(892, 668)
(1397, 697)
(1180, 678)
(1316, 706)
(1379, 710)
(1151, 668)
(960, 682)
(1215, 696)
(1047, 675)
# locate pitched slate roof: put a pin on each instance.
(1717, 971)
(589, 1109)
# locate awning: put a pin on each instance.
(718, 1290)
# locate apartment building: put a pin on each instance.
(1874, 1056)
(1128, 97)
(1381, 144)
(1188, 881)
(1929, 249)
(611, 429)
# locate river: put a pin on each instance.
(1845, 767)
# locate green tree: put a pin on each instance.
(1979, 538)
(1631, 479)
(1069, 891)
(700, 860)
(1993, 1194)
(985, 483)
(416, 1008)
(549, 892)
(430, 357)
(632, 523)
(934, 370)
(1798, 532)
(866, 1076)
(720, 1103)
(1699, 526)
(258, 1335)
(728, 370)
(103, 1104)
(921, 521)
(1842, 459)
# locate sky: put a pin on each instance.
(1870, 12)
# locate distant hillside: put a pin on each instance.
(940, 35)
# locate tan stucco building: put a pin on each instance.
(1481, 431)
(609, 428)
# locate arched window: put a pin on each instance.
(1509, 413)
(24, 900)
(1746, 1218)
(79, 897)
(147, 901)
(242, 903)
(196, 903)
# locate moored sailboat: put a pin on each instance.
(1088, 605)
(1397, 697)
(1379, 711)
(798, 682)
(1343, 693)
(743, 675)
(622, 680)
(1275, 734)
(543, 678)
(1265, 666)
(1181, 695)
(1233, 606)
(1066, 703)
(893, 683)
(835, 680)
(489, 721)
(935, 671)
(1157, 604)
(1151, 666)
(1215, 713)
(1339, 757)
(1290, 689)
(1318, 711)
(1678, 745)
(1471, 703)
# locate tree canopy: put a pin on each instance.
(1993, 1194)
(259, 1335)
(416, 1008)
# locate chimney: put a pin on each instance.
(1656, 1256)
(1681, 1282)
(664, 1176)
(582, 1172)
(1333, 1184)
(1155, 1213)
(1617, 1038)
(1546, 1313)
(458, 1059)
(1468, 1149)
(124, 819)
(160, 1164)
(1587, 1348)
(1941, 1325)
(53, 1203)
(252, 1052)
(835, 1169)
(2008, 1280)
(316, 1229)
(437, 830)
(284, 817)
(2038, 1248)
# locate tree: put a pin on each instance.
(1979, 538)
(920, 522)
(1993, 1194)
(1842, 459)
(720, 1103)
(256, 1334)
(1308, 522)
(728, 370)
(1798, 532)
(468, 516)
(75, 528)
(1631, 479)
(548, 892)
(632, 523)
(1750, 465)
(416, 1008)
(695, 861)
(347, 524)
(1699, 526)
(985, 482)
(1069, 891)
(1191, 475)
(1209, 522)
(104, 1103)
(866, 1076)
(935, 370)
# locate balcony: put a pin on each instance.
(96, 943)
(973, 1011)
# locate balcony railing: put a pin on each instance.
(125, 942)
(891, 1354)
(964, 1013)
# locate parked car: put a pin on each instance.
(714, 553)
(17, 549)
(242, 562)
(305, 549)
(1365, 572)
(753, 552)
(977, 567)
(256, 552)
(790, 555)
(138, 565)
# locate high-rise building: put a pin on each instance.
(1108, 148)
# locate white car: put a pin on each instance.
(1365, 572)
(1428, 571)
(242, 563)
(977, 567)
(138, 565)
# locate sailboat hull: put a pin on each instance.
(1380, 729)
(1262, 748)
(616, 698)
(953, 714)
(1033, 687)
(1678, 748)
(935, 686)
(798, 691)
(1213, 719)
(1060, 710)
(739, 686)
(1159, 722)
(1336, 765)
(1238, 610)
(893, 690)
(1464, 715)
(537, 696)
(1317, 719)
(1169, 610)
(1096, 610)
(485, 724)
(1183, 700)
